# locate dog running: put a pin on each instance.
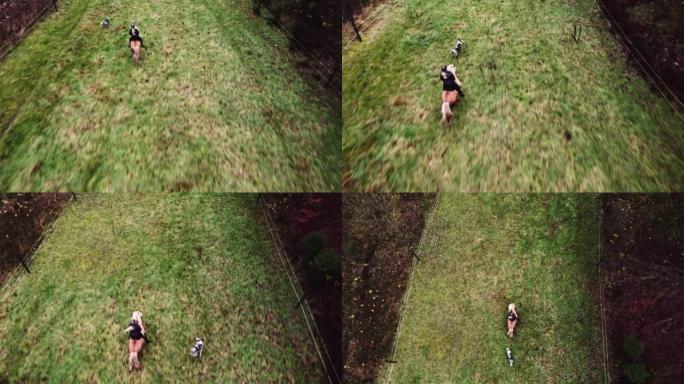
(509, 356)
(456, 51)
(196, 350)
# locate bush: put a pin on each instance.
(635, 370)
(636, 373)
(315, 252)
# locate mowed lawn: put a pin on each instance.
(195, 265)
(482, 252)
(543, 114)
(217, 104)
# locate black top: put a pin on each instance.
(512, 316)
(135, 35)
(136, 332)
(449, 82)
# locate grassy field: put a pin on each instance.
(555, 115)
(217, 103)
(196, 265)
(482, 252)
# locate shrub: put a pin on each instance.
(635, 370)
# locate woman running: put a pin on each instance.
(512, 318)
(136, 338)
(451, 91)
(135, 41)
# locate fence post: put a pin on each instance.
(301, 300)
(23, 264)
(577, 32)
(350, 16)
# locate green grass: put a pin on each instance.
(509, 132)
(482, 252)
(112, 254)
(217, 104)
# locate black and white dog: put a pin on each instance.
(509, 355)
(457, 49)
(196, 350)
(105, 22)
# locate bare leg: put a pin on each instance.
(131, 353)
(446, 111)
(511, 327)
(138, 347)
(135, 47)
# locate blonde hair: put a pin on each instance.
(137, 316)
(511, 307)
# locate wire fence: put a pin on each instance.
(373, 18)
(28, 259)
(604, 325)
(652, 75)
(14, 39)
(428, 225)
(332, 77)
(322, 351)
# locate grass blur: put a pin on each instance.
(553, 115)
(482, 252)
(217, 104)
(194, 264)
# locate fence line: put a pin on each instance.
(304, 304)
(7, 46)
(605, 11)
(303, 50)
(372, 18)
(408, 288)
(604, 338)
(36, 245)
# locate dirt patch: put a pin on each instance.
(381, 232)
(643, 280)
(656, 29)
(23, 218)
(309, 222)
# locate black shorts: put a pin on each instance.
(450, 87)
